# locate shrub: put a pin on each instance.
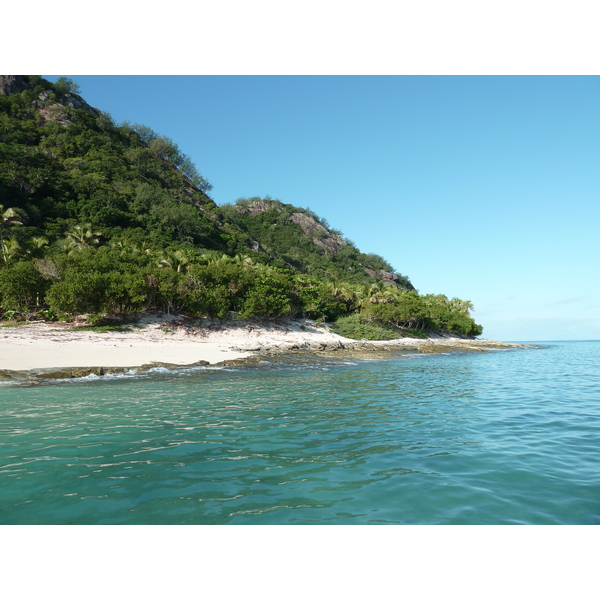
(78, 293)
(262, 302)
(354, 328)
(21, 286)
(211, 301)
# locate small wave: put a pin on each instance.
(10, 382)
(131, 374)
(186, 369)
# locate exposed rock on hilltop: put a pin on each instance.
(58, 111)
(388, 278)
(50, 107)
(310, 227)
(257, 207)
(319, 235)
(13, 84)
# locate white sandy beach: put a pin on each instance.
(156, 339)
(164, 339)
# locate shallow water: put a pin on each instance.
(466, 438)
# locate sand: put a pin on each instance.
(167, 339)
(156, 338)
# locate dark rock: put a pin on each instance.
(388, 278)
(449, 347)
(13, 84)
(75, 101)
(320, 236)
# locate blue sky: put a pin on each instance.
(481, 187)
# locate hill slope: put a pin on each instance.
(298, 238)
(99, 217)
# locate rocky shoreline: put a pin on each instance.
(305, 351)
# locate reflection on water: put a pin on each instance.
(462, 438)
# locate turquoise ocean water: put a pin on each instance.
(504, 437)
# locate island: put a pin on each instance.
(114, 255)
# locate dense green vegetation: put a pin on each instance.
(298, 238)
(112, 219)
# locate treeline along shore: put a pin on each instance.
(112, 220)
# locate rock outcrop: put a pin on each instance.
(388, 278)
(59, 111)
(13, 84)
(257, 207)
(319, 235)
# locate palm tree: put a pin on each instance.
(11, 249)
(461, 306)
(81, 237)
(243, 259)
(35, 244)
(141, 253)
(8, 217)
(379, 293)
(342, 292)
(176, 260)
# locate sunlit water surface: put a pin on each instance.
(505, 437)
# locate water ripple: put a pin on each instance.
(507, 437)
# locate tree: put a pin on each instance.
(81, 237)
(176, 260)
(11, 249)
(343, 293)
(35, 246)
(268, 296)
(21, 285)
(145, 133)
(379, 293)
(65, 85)
(8, 218)
(188, 168)
(165, 148)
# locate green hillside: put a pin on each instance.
(298, 238)
(109, 219)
